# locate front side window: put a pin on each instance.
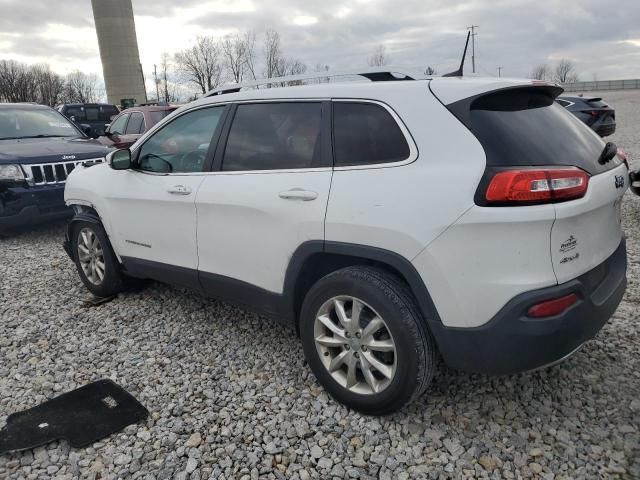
(366, 134)
(182, 145)
(271, 136)
(118, 125)
(136, 124)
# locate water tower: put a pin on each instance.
(121, 67)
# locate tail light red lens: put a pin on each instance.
(539, 185)
(551, 308)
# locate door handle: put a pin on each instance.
(299, 194)
(179, 190)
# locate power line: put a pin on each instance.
(473, 45)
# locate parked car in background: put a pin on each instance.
(127, 127)
(322, 207)
(92, 117)
(39, 147)
(593, 111)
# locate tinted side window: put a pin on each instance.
(92, 114)
(270, 136)
(135, 125)
(182, 144)
(365, 134)
(77, 112)
(117, 127)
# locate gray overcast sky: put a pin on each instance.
(601, 37)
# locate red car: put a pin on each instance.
(127, 127)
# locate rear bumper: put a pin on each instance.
(22, 206)
(512, 342)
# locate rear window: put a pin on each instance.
(366, 134)
(526, 127)
(159, 115)
(269, 136)
(92, 114)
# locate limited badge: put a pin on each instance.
(569, 244)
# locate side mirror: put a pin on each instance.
(119, 159)
(86, 129)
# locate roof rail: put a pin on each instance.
(379, 74)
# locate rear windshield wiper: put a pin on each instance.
(610, 151)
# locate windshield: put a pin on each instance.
(34, 123)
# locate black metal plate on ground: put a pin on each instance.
(80, 417)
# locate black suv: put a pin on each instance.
(39, 147)
(93, 118)
(593, 111)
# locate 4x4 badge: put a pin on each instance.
(619, 181)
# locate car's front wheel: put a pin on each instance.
(95, 261)
(365, 340)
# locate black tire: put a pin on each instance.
(416, 352)
(113, 282)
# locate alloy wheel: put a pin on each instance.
(355, 345)
(91, 256)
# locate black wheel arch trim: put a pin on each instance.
(379, 255)
(90, 216)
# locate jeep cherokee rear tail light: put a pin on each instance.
(536, 185)
(551, 308)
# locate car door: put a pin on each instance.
(268, 196)
(153, 204)
(117, 129)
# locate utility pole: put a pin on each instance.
(155, 75)
(500, 71)
(473, 45)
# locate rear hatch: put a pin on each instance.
(521, 127)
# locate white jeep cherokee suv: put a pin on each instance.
(388, 222)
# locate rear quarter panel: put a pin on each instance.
(403, 208)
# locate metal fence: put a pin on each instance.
(602, 85)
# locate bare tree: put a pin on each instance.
(17, 82)
(234, 50)
(565, 72)
(50, 85)
(379, 57)
(250, 54)
(541, 72)
(81, 88)
(273, 58)
(164, 69)
(201, 64)
(430, 71)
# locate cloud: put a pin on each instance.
(514, 34)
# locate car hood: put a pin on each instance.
(45, 150)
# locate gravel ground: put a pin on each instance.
(231, 397)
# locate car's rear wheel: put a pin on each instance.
(95, 261)
(366, 341)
